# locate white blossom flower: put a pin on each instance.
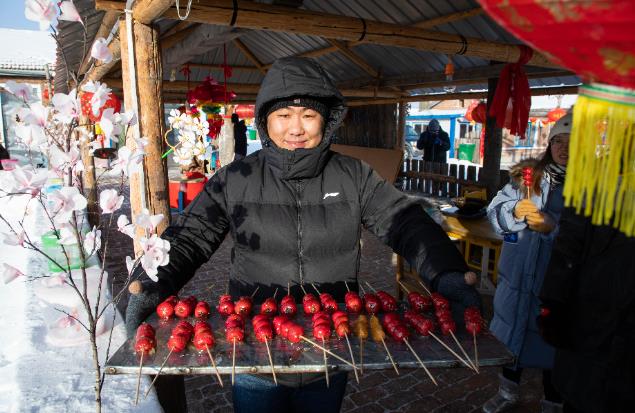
(27, 181)
(127, 161)
(125, 226)
(129, 264)
(69, 12)
(66, 234)
(20, 90)
(31, 136)
(182, 156)
(100, 51)
(41, 11)
(100, 95)
(92, 241)
(147, 221)
(10, 273)
(13, 239)
(155, 254)
(110, 201)
(67, 107)
(65, 201)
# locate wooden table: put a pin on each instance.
(475, 231)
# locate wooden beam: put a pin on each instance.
(145, 11)
(560, 90)
(169, 41)
(220, 67)
(181, 25)
(252, 57)
(448, 18)
(259, 16)
(149, 78)
(253, 88)
(493, 146)
(105, 27)
(355, 58)
(401, 124)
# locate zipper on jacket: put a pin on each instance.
(298, 187)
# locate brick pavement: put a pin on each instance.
(459, 389)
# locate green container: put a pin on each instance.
(252, 134)
(52, 248)
(466, 151)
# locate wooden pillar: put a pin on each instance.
(88, 175)
(401, 125)
(149, 103)
(490, 174)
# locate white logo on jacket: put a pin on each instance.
(328, 194)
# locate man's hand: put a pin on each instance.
(471, 278)
(455, 287)
(523, 208)
(144, 299)
(540, 222)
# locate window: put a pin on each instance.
(532, 134)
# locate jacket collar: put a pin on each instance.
(297, 164)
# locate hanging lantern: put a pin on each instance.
(479, 113)
(554, 114)
(449, 86)
(596, 40)
(244, 111)
(87, 109)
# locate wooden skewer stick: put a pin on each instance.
(157, 376)
(255, 291)
(328, 351)
(467, 358)
(404, 287)
(347, 289)
(303, 290)
(361, 287)
(475, 351)
(425, 287)
(316, 289)
(136, 398)
(350, 350)
(392, 361)
(288, 287)
(234, 362)
(209, 353)
(361, 356)
(273, 371)
(227, 289)
(434, 336)
(371, 287)
(420, 362)
(326, 368)
(275, 292)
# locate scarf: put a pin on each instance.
(555, 174)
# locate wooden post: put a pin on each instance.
(88, 175)
(493, 146)
(148, 74)
(401, 125)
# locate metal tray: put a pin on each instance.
(251, 355)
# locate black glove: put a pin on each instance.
(553, 326)
(141, 305)
(452, 286)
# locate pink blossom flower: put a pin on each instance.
(12, 239)
(147, 221)
(20, 90)
(65, 201)
(100, 95)
(41, 11)
(125, 226)
(69, 12)
(92, 241)
(155, 254)
(127, 161)
(110, 201)
(67, 106)
(27, 181)
(10, 273)
(100, 51)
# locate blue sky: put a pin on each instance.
(12, 16)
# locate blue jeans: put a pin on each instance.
(257, 394)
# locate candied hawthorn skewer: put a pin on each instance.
(417, 301)
(327, 301)
(372, 305)
(234, 331)
(263, 330)
(185, 307)
(378, 335)
(145, 342)
(352, 301)
(474, 325)
(322, 331)
(310, 303)
(360, 329)
(287, 304)
(387, 301)
(203, 340)
(270, 305)
(342, 329)
(165, 310)
(528, 178)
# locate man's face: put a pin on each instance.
(295, 127)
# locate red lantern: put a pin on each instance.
(554, 114)
(479, 113)
(244, 111)
(595, 39)
(112, 102)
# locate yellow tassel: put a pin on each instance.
(601, 170)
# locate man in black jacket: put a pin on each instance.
(240, 137)
(434, 142)
(295, 211)
(589, 315)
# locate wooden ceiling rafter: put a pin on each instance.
(249, 55)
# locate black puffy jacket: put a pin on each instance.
(297, 215)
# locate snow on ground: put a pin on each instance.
(38, 377)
